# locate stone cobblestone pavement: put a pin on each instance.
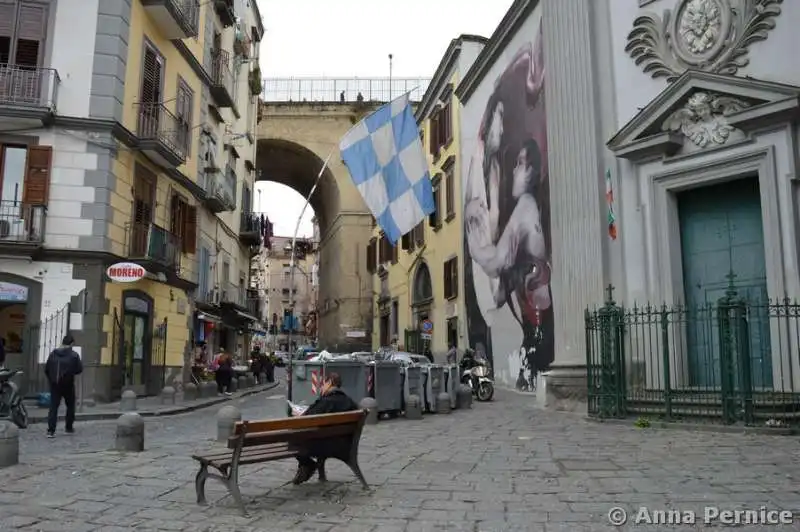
(503, 466)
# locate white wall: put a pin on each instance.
(505, 332)
(72, 53)
(770, 60)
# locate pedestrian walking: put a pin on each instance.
(224, 372)
(61, 368)
(452, 355)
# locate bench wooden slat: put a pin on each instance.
(255, 458)
(300, 422)
(215, 455)
(291, 436)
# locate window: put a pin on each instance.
(407, 241)
(184, 104)
(23, 30)
(451, 278)
(450, 191)
(441, 129)
(183, 223)
(452, 332)
(372, 265)
(435, 218)
(152, 76)
(419, 234)
(24, 174)
(386, 250)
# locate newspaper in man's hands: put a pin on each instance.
(297, 410)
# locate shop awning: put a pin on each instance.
(246, 316)
(204, 316)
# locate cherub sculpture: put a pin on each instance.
(703, 119)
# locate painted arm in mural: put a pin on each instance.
(531, 58)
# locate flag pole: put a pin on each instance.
(291, 279)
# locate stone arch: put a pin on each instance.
(422, 285)
(294, 139)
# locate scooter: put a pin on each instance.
(11, 406)
(477, 378)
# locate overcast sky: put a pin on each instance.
(353, 38)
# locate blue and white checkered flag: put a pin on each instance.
(387, 163)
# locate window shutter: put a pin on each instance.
(454, 278)
(395, 254)
(405, 241)
(190, 230)
(7, 13)
(434, 135)
(371, 266)
(151, 77)
(36, 188)
(447, 279)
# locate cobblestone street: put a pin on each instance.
(503, 466)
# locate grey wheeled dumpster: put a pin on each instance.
(434, 386)
(306, 381)
(452, 382)
(354, 376)
(413, 384)
(387, 387)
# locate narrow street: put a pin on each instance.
(503, 466)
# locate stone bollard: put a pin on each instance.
(242, 382)
(234, 385)
(130, 433)
(190, 391)
(464, 396)
(168, 395)
(128, 401)
(413, 407)
(9, 444)
(443, 403)
(371, 405)
(209, 389)
(227, 417)
(251, 380)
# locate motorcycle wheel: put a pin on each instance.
(19, 415)
(485, 391)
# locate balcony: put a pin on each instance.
(233, 294)
(175, 19)
(225, 12)
(21, 227)
(220, 190)
(250, 229)
(221, 78)
(241, 44)
(155, 248)
(28, 94)
(160, 135)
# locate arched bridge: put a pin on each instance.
(302, 121)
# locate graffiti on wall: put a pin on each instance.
(507, 226)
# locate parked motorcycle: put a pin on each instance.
(477, 378)
(11, 405)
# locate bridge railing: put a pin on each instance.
(341, 89)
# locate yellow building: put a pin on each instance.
(419, 278)
(172, 64)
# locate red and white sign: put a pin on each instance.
(125, 272)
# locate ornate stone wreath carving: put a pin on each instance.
(710, 35)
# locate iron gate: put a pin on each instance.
(117, 356)
(37, 342)
(156, 373)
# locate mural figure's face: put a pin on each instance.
(523, 173)
(495, 128)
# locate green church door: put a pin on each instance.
(722, 232)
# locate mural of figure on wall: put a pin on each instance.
(507, 223)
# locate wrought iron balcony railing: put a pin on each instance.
(225, 12)
(233, 294)
(332, 90)
(241, 43)
(154, 244)
(161, 134)
(221, 190)
(250, 228)
(176, 19)
(221, 78)
(22, 223)
(31, 87)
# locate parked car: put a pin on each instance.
(409, 359)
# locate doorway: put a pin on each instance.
(137, 325)
(722, 242)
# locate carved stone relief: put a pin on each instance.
(703, 120)
(710, 35)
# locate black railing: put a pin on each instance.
(225, 12)
(342, 90)
(22, 223)
(148, 241)
(188, 15)
(250, 222)
(233, 294)
(157, 123)
(731, 360)
(26, 86)
(221, 74)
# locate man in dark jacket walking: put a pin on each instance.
(332, 401)
(62, 366)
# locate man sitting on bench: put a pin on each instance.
(332, 401)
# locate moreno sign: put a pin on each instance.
(125, 272)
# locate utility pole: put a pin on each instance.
(390, 76)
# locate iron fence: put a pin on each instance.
(158, 124)
(156, 371)
(221, 74)
(732, 360)
(150, 242)
(21, 222)
(344, 90)
(27, 86)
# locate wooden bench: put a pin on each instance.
(256, 442)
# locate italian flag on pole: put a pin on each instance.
(612, 220)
